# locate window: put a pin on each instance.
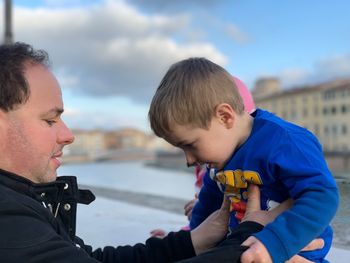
(343, 109)
(344, 129)
(329, 95)
(334, 110)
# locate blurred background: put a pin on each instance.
(110, 55)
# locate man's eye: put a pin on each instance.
(50, 122)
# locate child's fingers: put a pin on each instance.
(317, 243)
(281, 208)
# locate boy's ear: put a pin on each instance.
(225, 114)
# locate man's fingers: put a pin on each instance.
(253, 203)
(249, 241)
(158, 233)
(314, 244)
(225, 205)
(256, 252)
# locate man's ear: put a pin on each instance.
(225, 114)
(2, 114)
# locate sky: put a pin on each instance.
(110, 55)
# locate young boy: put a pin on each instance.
(197, 108)
(200, 170)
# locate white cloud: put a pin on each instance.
(107, 120)
(111, 48)
(338, 65)
(233, 32)
(325, 69)
(175, 6)
(292, 77)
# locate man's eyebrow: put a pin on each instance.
(56, 111)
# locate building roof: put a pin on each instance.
(335, 84)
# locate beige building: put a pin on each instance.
(126, 138)
(87, 142)
(323, 109)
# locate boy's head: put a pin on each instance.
(195, 108)
(189, 93)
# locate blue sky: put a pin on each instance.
(110, 55)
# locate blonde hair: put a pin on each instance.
(189, 93)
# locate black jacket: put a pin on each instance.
(37, 224)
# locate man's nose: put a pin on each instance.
(65, 135)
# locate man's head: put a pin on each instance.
(196, 108)
(32, 134)
(14, 89)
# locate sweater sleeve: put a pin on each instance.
(175, 246)
(209, 200)
(299, 164)
(230, 250)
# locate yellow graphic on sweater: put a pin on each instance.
(237, 179)
(234, 185)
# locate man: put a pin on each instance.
(37, 208)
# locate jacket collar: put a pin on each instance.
(59, 197)
(54, 192)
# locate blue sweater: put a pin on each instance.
(287, 162)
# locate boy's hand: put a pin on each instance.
(314, 244)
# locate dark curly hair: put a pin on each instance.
(14, 89)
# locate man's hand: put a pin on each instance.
(160, 233)
(257, 252)
(212, 230)
(253, 211)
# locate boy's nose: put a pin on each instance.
(190, 159)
